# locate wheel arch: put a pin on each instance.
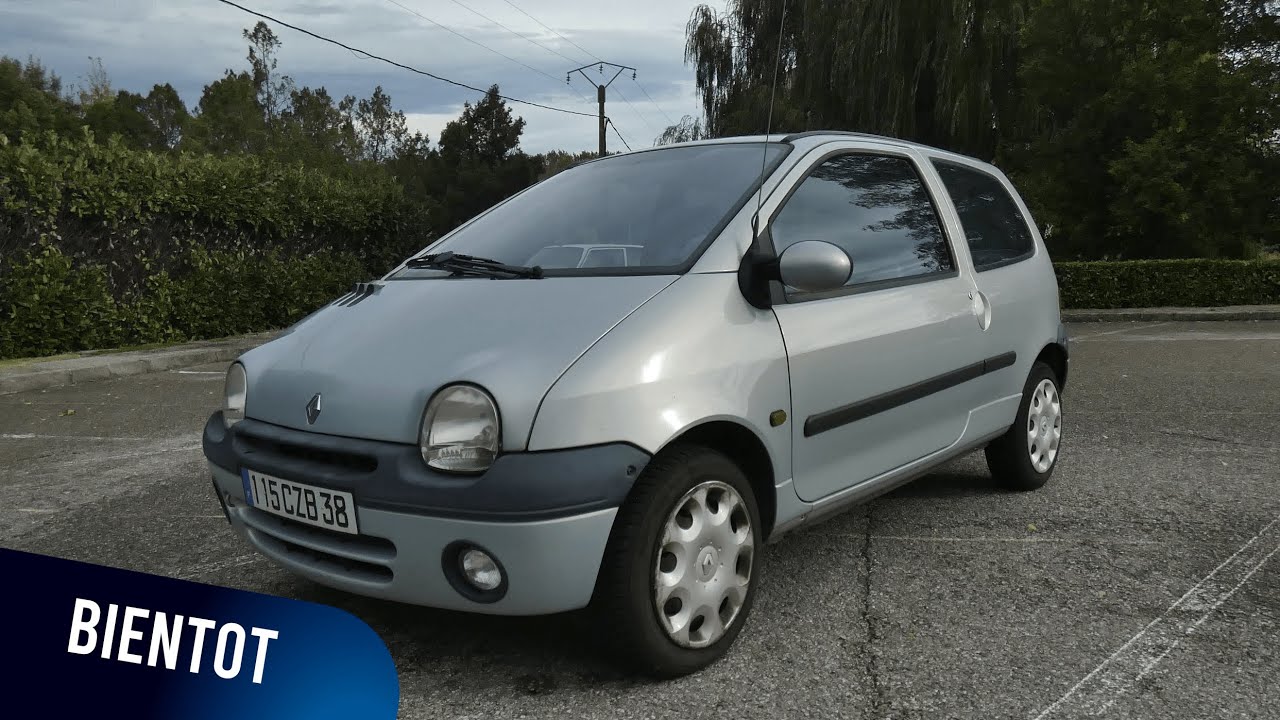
(1055, 356)
(748, 451)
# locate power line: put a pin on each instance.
(590, 54)
(569, 82)
(618, 132)
(486, 47)
(601, 92)
(596, 58)
(473, 42)
(643, 119)
(461, 4)
(646, 94)
(410, 68)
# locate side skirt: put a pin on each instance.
(839, 502)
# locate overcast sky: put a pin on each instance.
(191, 42)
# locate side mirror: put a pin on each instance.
(814, 266)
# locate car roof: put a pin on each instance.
(813, 138)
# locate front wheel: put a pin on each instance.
(679, 575)
(1024, 457)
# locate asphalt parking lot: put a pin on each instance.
(1142, 582)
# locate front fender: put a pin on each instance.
(695, 353)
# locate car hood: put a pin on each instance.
(378, 355)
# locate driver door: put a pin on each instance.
(880, 368)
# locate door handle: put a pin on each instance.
(981, 309)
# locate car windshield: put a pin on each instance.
(558, 257)
(661, 205)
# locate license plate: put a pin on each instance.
(329, 509)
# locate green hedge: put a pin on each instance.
(136, 212)
(1168, 283)
(102, 245)
(48, 305)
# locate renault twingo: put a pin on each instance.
(801, 323)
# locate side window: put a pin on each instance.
(877, 209)
(996, 232)
(605, 257)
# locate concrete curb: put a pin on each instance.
(43, 375)
(1238, 312)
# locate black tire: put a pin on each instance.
(1008, 457)
(624, 597)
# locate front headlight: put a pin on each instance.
(460, 430)
(237, 388)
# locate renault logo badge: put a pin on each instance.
(313, 409)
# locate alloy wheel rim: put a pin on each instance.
(703, 565)
(1044, 426)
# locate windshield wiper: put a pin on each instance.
(472, 265)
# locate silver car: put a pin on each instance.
(810, 320)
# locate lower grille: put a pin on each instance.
(357, 557)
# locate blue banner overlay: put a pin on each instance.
(90, 641)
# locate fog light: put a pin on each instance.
(480, 570)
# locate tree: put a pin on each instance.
(167, 116)
(98, 85)
(687, 130)
(872, 65)
(1143, 132)
(382, 128)
(478, 163)
(121, 115)
(230, 118)
(31, 100)
(486, 132)
(318, 131)
(1134, 128)
(557, 161)
(273, 89)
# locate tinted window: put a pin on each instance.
(668, 201)
(994, 228)
(877, 209)
(606, 257)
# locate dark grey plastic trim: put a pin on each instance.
(520, 486)
(853, 412)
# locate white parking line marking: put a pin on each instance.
(1200, 337)
(32, 436)
(199, 372)
(1116, 676)
(1082, 338)
(944, 539)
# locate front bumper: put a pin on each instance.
(546, 517)
(1064, 341)
(551, 565)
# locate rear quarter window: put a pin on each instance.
(994, 228)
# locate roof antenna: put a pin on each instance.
(757, 266)
(773, 91)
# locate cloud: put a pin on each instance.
(192, 42)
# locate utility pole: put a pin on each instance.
(600, 90)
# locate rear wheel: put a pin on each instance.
(679, 575)
(1024, 457)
